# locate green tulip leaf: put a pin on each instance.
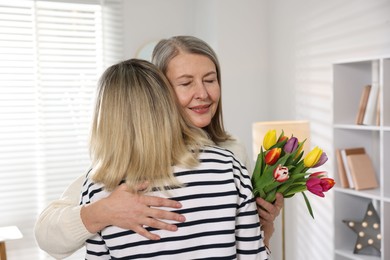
(271, 196)
(295, 189)
(308, 205)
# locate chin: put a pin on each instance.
(202, 124)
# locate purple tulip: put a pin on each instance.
(291, 145)
(322, 160)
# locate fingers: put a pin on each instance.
(156, 213)
(153, 218)
(265, 206)
(268, 211)
(154, 223)
(268, 232)
(150, 200)
(159, 202)
(279, 202)
(143, 232)
(133, 210)
(265, 217)
(166, 215)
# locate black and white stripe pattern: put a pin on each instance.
(221, 218)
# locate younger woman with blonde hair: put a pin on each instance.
(140, 134)
(138, 131)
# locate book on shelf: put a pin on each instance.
(344, 154)
(362, 104)
(371, 111)
(355, 169)
(362, 171)
(341, 170)
(370, 115)
(378, 111)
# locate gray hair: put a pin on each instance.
(167, 49)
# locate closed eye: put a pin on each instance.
(210, 80)
(185, 84)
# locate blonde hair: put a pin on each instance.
(167, 49)
(139, 131)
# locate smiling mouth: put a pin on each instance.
(201, 109)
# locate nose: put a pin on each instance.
(200, 91)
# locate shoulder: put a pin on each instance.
(224, 156)
(234, 145)
(239, 171)
(238, 149)
(218, 152)
(219, 155)
(92, 191)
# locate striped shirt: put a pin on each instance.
(220, 211)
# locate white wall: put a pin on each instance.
(150, 20)
(306, 37)
(236, 33)
(242, 51)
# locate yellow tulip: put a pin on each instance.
(312, 157)
(269, 139)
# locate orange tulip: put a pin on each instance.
(272, 156)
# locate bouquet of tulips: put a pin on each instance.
(282, 167)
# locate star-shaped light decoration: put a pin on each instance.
(368, 231)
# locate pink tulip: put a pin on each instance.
(314, 186)
(318, 183)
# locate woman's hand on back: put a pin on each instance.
(131, 210)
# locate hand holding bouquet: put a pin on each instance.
(282, 167)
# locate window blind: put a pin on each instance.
(51, 56)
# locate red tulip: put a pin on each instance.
(318, 174)
(281, 139)
(327, 183)
(272, 156)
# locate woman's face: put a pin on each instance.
(194, 79)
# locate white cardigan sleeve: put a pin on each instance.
(59, 229)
